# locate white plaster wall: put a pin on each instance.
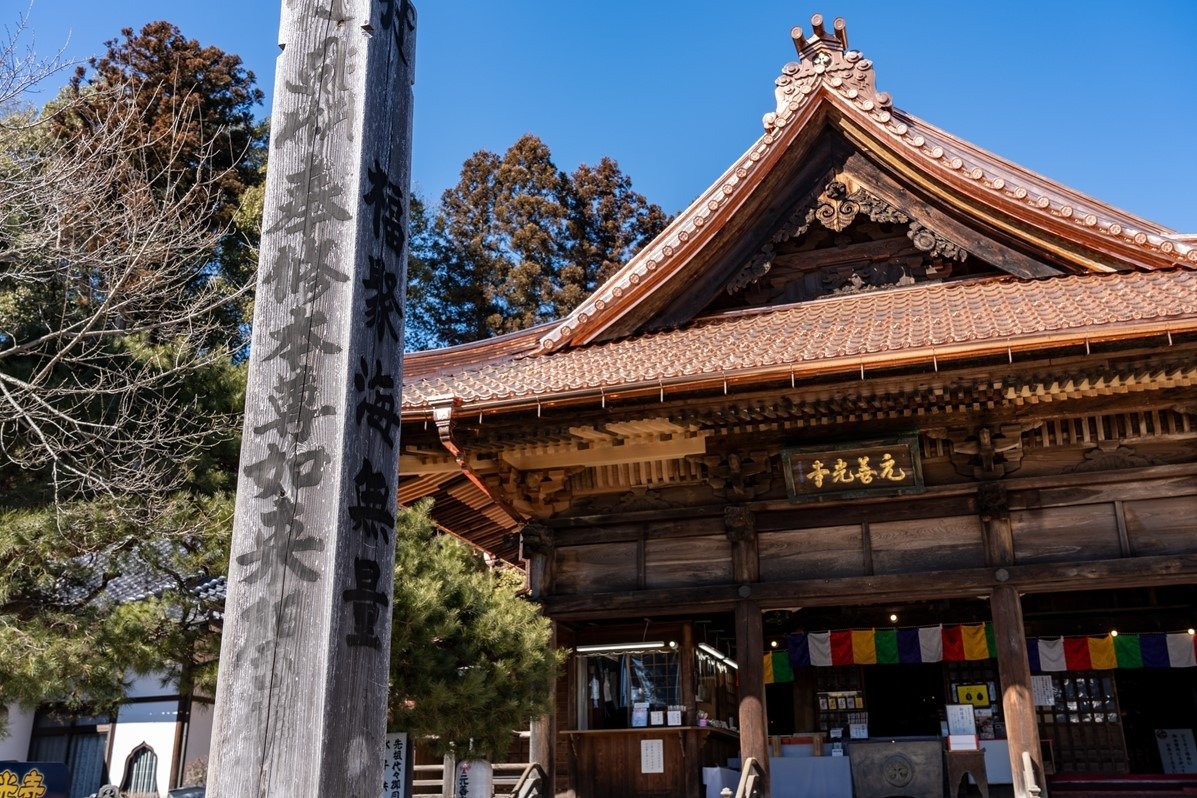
(15, 745)
(152, 723)
(199, 735)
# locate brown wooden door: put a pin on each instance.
(1084, 725)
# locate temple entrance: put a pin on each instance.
(904, 700)
(1143, 713)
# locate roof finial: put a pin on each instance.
(820, 42)
(841, 31)
(799, 37)
(825, 63)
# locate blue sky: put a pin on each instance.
(1101, 96)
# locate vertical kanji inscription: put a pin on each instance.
(302, 693)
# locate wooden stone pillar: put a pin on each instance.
(542, 741)
(301, 702)
(1018, 708)
(750, 645)
(536, 550)
(740, 525)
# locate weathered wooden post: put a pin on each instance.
(301, 700)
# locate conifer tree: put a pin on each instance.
(470, 657)
(518, 242)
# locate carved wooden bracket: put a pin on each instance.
(535, 539)
(739, 476)
(992, 501)
(1110, 456)
(739, 522)
(538, 494)
(984, 453)
(836, 208)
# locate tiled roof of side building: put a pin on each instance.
(869, 329)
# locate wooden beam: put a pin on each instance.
(977, 244)
(806, 260)
(864, 590)
(411, 465)
(566, 457)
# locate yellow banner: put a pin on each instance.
(864, 647)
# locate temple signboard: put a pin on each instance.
(864, 468)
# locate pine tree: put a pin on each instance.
(470, 657)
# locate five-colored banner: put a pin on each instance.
(966, 642)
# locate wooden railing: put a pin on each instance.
(533, 783)
(752, 781)
(511, 780)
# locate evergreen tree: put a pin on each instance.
(195, 103)
(608, 223)
(470, 657)
(125, 266)
(518, 242)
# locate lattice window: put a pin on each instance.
(141, 772)
(1083, 725)
(614, 683)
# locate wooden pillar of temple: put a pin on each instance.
(1018, 708)
(754, 728)
(750, 639)
(536, 549)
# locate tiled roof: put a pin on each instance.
(137, 581)
(879, 328)
(829, 74)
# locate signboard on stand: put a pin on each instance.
(396, 767)
(1178, 753)
(1042, 691)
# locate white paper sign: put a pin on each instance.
(474, 778)
(394, 764)
(674, 717)
(1042, 692)
(652, 756)
(1177, 750)
(961, 720)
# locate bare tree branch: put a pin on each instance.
(110, 299)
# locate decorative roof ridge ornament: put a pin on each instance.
(842, 76)
(826, 61)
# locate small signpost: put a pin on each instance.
(301, 699)
(397, 767)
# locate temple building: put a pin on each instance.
(885, 445)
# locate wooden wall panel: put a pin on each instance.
(810, 553)
(1162, 526)
(1059, 534)
(596, 568)
(676, 562)
(607, 764)
(927, 545)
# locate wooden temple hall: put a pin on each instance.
(886, 445)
